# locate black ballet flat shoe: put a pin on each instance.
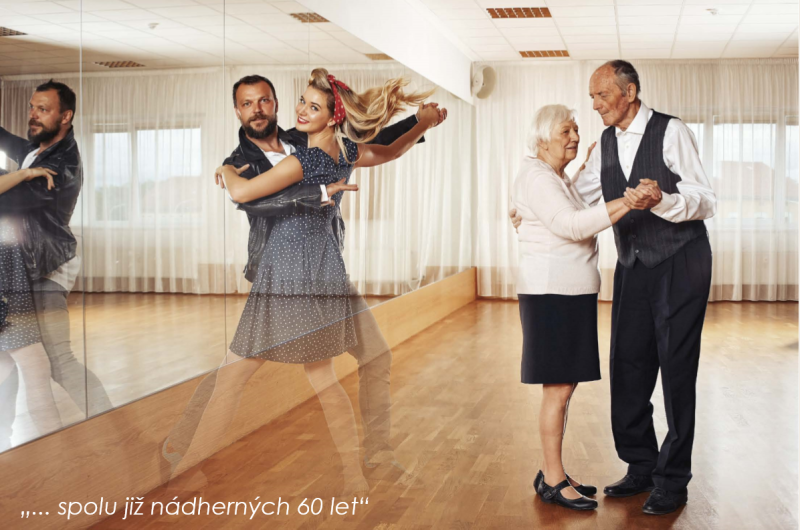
(552, 495)
(630, 485)
(662, 502)
(584, 489)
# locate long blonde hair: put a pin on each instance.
(366, 113)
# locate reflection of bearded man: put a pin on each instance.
(266, 130)
(45, 133)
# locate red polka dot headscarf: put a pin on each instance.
(339, 113)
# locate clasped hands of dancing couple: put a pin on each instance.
(302, 308)
(656, 195)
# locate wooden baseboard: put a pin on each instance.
(118, 454)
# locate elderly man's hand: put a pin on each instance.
(646, 195)
(516, 220)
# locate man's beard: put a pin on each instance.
(43, 136)
(272, 126)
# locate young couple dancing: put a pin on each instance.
(302, 309)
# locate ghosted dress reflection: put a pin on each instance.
(21, 345)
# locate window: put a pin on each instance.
(169, 163)
(147, 175)
(792, 168)
(744, 170)
(112, 176)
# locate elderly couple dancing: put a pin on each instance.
(656, 195)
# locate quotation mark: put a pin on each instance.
(26, 515)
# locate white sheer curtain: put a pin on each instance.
(409, 223)
(744, 114)
(154, 222)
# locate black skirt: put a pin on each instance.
(559, 338)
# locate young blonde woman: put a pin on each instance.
(299, 308)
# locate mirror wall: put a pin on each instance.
(154, 288)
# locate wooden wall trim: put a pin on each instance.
(118, 454)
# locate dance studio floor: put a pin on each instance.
(466, 429)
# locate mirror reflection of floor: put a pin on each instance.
(141, 343)
(466, 429)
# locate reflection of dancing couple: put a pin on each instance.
(39, 265)
(302, 309)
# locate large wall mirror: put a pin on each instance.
(149, 285)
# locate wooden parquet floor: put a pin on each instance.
(466, 429)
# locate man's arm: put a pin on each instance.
(695, 199)
(393, 132)
(13, 146)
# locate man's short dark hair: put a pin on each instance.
(66, 97)
(625, 74)
(252, 80)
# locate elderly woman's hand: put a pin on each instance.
(516, 219)
(646, 195)
(588, 154)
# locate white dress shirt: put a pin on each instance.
(557, 237)
(695, 200)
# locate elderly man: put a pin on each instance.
(661, 283)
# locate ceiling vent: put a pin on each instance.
(519, 12)
(7, 32)
(119, 64)
(379, 57)
(308, 18)
(545, 53)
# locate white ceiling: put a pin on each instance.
(628, 29)
(189, 33)
(200, 32)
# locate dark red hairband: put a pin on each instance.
(338, 110)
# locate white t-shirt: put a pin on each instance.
(66, 274)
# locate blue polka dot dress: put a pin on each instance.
(18, 324)
(299, 310)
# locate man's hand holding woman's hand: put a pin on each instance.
(646, 195)
(431, 115)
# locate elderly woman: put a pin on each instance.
(557, 286)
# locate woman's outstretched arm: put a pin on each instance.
(287, 172)
(10, 180)
(374, 155)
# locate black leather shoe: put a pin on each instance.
(662, 502)
(584, 489)
(552, 495)
(630, 485)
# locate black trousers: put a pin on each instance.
(656, 322)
